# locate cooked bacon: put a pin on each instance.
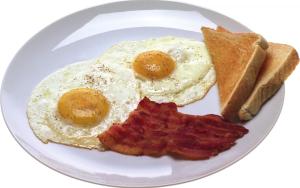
(158, 129)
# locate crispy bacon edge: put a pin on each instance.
(159, 129)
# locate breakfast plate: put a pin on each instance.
(87, 34)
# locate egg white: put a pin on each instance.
(112, 74)
(115, 82)
(190, 81)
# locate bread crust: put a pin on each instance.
(281, 61)
(244, 53)
(244, 86)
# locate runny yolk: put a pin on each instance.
(83, 107)
(153, 65)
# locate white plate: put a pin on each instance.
(86, 34)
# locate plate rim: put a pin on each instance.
(72, 175)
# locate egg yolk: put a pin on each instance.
(153, 65)
(83, 107)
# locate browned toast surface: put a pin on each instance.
(237, 59)
(280, 62)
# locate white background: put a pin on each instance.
(274, 163)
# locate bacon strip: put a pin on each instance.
(159, 129)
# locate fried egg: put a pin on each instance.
(75, 104)
(168, 69)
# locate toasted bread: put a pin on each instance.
(280, 62)
(237, 59)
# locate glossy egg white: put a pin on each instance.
(115, 82)
(192, 78)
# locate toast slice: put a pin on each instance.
(237, 59)
(281, 60)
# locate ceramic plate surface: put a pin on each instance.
(86, 34)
